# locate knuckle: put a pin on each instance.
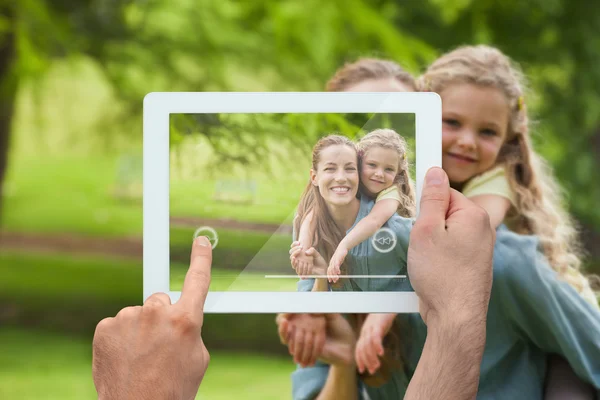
(481, 216)
(156, 300)
(184, 324)
(423, 228)
(104, 325)
(128, 312)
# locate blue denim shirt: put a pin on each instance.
(364, 259)
(531, 314)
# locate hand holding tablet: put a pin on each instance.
(252, 203)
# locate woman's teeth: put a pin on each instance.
(340, 189)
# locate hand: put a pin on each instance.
(318, 264)
(450, 253)
(340, 339)
(333, 271)
(370, 342)
(155, 350)
(302, 263)
(305, 336)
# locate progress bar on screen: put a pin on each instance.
(341, 276)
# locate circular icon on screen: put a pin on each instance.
(384, 240)
(210, 233)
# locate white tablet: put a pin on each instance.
(234, 166)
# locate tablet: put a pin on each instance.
(234, 167)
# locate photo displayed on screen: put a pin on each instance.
(248, 183)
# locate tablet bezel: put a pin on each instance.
(158, 106)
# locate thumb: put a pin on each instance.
(435, 199)
(312, 252)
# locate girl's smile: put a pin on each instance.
(474, 127)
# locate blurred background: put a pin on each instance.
(73, 74)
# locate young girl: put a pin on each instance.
(384, 176)
(488, 157)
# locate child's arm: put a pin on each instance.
(496, 207)
(367, 227)
(369, 347)
(306, 234)
(303, 264)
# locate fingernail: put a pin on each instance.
(435, 176)
(202, 241)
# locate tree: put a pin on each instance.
(33, 33)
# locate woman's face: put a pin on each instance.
(336, 175)
(474, 127)
(379, 85)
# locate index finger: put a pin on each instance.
(197, 279)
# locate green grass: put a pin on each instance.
(68, 194)
(72, 294)
(36, 278)
(232, 281)
(40, 365)
(39, 278)
(77, 194)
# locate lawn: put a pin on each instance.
(40, 365)
(73, 293)
(78, 194)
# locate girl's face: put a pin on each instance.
(379, 85)
(379, 168)
(474, 127)
(336, 175)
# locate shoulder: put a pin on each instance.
(497, 173)
(516, 256)
(494, 181)
(390, 193)
(522, 271)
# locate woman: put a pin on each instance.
(514, 364)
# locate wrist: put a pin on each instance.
(453, 321)
(462, 334)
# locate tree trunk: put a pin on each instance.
(8, 89)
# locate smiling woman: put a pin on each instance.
(336, 174)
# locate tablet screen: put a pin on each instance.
(238, 178)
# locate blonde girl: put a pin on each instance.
(487, 153)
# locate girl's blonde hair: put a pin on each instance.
(389, 139)
(365, 69)
(539, 199)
